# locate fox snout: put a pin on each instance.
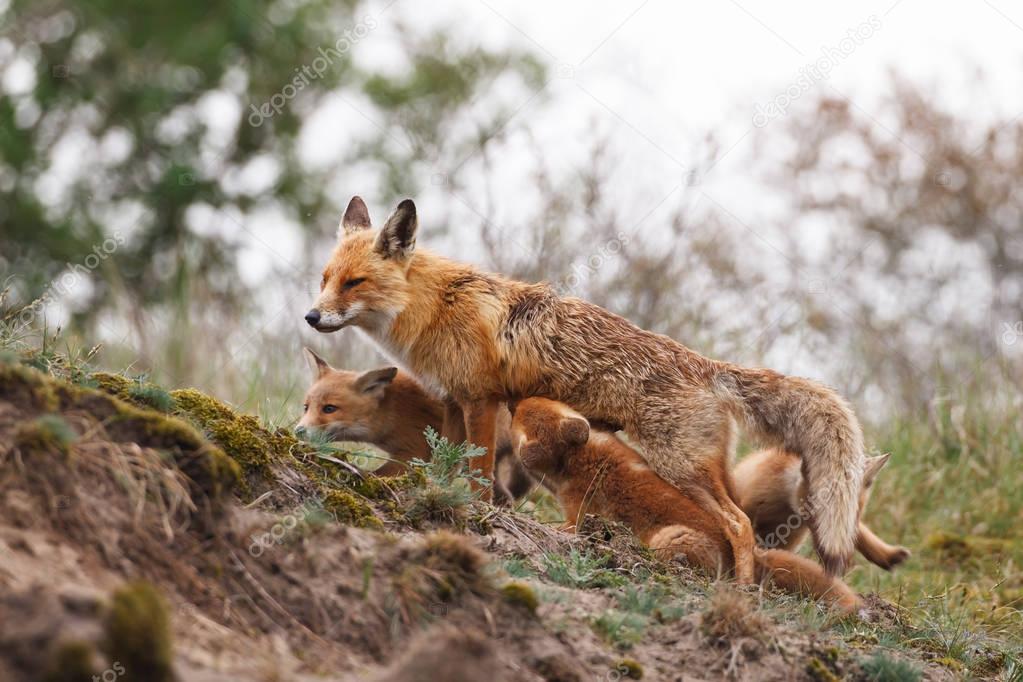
(313, 317)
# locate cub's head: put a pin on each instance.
(365, 282)
(545, 432)
(345, 405)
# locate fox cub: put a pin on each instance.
(770, 488)
(388, 408)
(591, 470)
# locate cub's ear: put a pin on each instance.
(398, 237)
(316, 363)
(536, 457)
(356, 218)
(574, 430)
(873, 466)
(375, 381)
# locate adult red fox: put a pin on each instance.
(771, 490)
(483, 339)
(593, 471)
(388, 408)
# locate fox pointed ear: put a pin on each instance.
(398, 237)
(316, 363)
(873, 466)
(375, 381)
(356, 218)
(574, 430)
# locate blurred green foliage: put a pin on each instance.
(142, 76)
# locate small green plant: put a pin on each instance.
(150, 395)
(883, 668)
(654, 601)
(518, 568)
(581, 569)
(450, 462)
(621, 628)
(447, 489)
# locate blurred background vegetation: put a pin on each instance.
(153, 199)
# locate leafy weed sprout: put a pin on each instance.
(449, 480)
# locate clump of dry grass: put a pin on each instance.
(731, 616)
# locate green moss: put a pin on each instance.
(72, 662)
(200, 406)
(819, 670)
(207, 465)
(112, 384)
(138, 633)
(521, 594)
(627, 667)
(27, 387)
(47, 435)
(349, 509)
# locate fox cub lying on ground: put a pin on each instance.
(388, 408)
(770, 488)
(592, 470)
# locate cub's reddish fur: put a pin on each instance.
(770, 488)
(593, 471)
(483, 339)
(388, 408)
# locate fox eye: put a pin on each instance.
(305, 408)
(352, 283)
(329, 409)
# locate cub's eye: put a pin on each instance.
(305, 408)
(352, 283)
(329, 409)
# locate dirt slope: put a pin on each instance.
(147, 535)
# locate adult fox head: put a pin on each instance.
(364, 284)
(345, 405)
(545, 432)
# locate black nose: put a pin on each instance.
(313, 317)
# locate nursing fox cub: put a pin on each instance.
(482, 340)
(592, 470)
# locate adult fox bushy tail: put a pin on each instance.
(482, 340)
(812, 421)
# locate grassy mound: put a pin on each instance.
(180, 539)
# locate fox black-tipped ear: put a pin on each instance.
(316, 363)
(375, 381)
(575, 430)
(873, 466)
(356, 218)
(398, 237)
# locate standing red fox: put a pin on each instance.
(482, 339)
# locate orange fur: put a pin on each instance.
(482, 339)
(388, 408)
(770, 489)
(593, 471)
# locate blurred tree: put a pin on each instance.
(124, 116)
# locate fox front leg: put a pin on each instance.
(481, 430)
